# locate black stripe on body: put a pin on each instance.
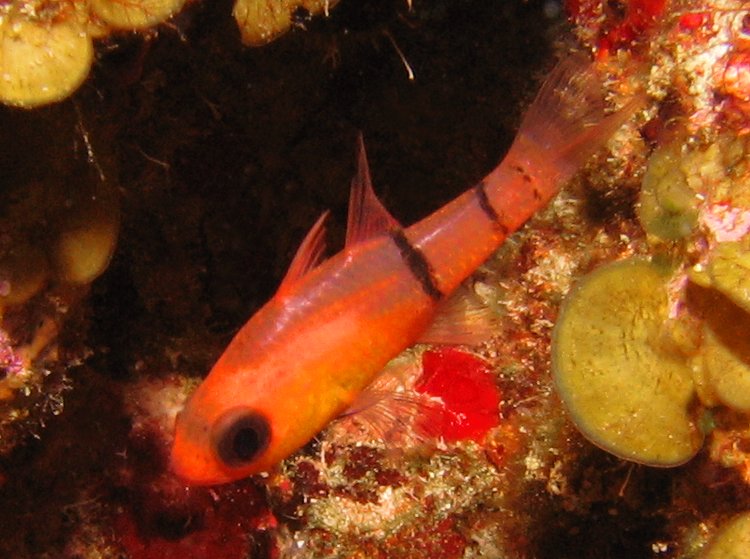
(480, 191)
(417, 264)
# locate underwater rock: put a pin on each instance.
(733, 84)
(57, 234)
(613, 29)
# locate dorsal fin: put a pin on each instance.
(368, 217)
(309, 254)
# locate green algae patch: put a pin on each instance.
(626, 390)
(732, 541)
(667, 206)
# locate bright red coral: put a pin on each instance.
(465, 385)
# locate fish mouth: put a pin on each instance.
(193, 467)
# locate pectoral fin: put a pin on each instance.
(463, 319)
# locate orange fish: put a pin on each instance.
(307, 354)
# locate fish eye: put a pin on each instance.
(239, 436)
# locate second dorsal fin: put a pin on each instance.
(368, 217)
(309, 254)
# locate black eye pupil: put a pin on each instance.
(240, 436)
(245, 443)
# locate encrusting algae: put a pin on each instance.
(723, 363)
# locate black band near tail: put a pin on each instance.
(417, 264)
(484, 202)
(480, 190)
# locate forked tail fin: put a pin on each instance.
(566, 124)
(562, 128)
